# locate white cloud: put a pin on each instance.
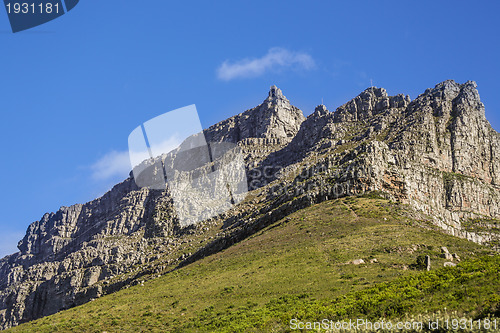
(113, 164)
(116, 165)
(165, 146)
(276, 58)
(157, 149)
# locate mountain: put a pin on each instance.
(302, 267)
(436, 154)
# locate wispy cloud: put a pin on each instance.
(157, 149)
(113, 164)
(116, 165)
(276, 58)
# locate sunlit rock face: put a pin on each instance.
(437, 153)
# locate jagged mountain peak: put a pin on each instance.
(451, 99)
(373, 92)
(275, 100)
(275, 117)
(450, 90)
(275, 93)
(368, 103)
(321, 110)
(446, 90)
(449, 85)
(436, 154)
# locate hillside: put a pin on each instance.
(436, 155)
(301, 267)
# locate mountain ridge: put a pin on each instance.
(304, 262)
(437, 153)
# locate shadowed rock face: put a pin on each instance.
(437, 153)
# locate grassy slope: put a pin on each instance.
(297, 268)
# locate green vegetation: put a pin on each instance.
(451, 176)
(472, 288)
(300, 267)
(478, 225)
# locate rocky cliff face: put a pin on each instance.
(275, 118)
(437, 153)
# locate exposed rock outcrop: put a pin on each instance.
(437, 153)
(275, 118)
(427, 263)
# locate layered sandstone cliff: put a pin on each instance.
(437, 153)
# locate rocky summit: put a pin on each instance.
(436, 154)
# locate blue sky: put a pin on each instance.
(73, 89)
